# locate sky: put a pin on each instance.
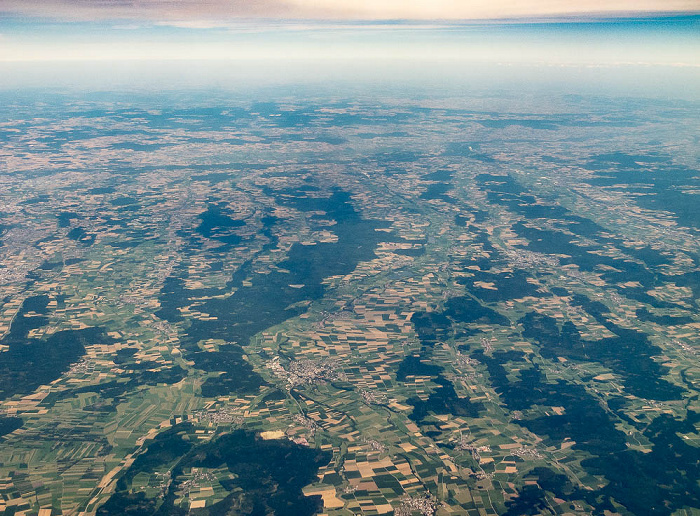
(203, 11)
(42, 40)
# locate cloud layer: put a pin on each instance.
(331, 9)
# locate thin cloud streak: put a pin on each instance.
(205, 13)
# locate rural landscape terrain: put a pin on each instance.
(315, 304)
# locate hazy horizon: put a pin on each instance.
(650, 55)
